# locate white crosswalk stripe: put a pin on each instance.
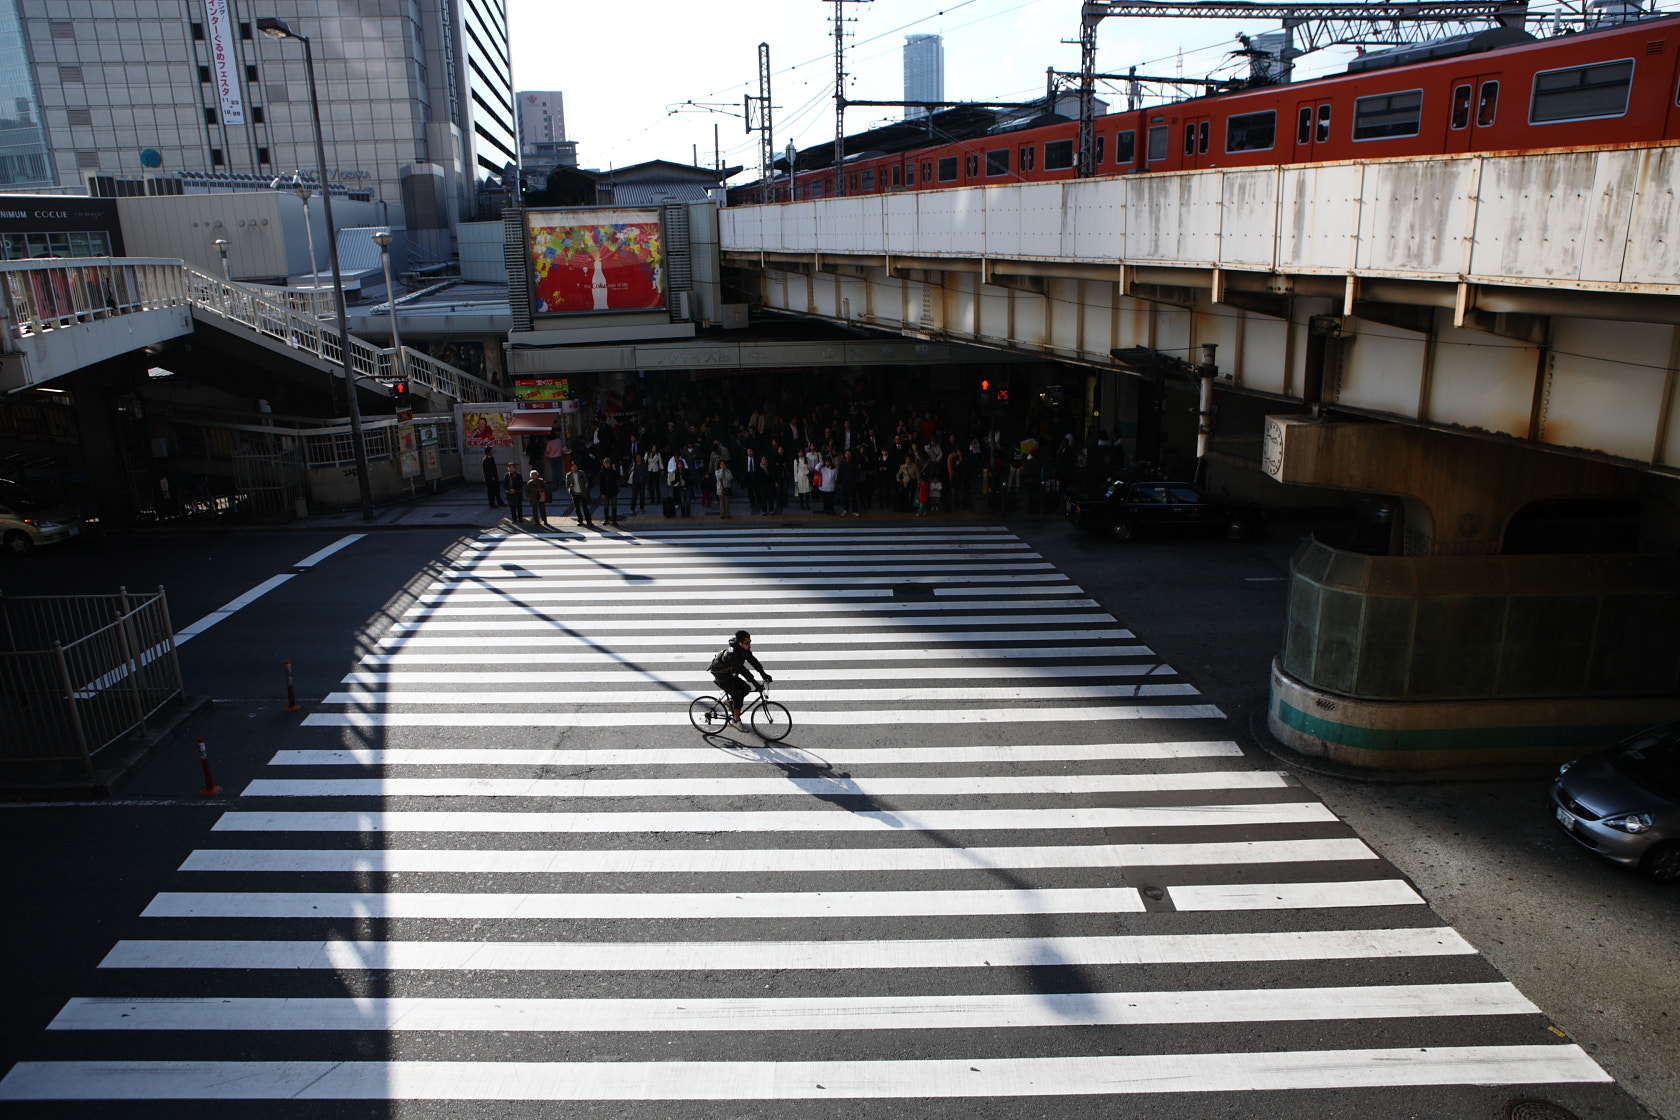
(1007, 852)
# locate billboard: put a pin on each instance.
(485, 429)
(594, 260)
(542, 393)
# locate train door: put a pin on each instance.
(1198, 142)
(1312, 131)
(1472, 109)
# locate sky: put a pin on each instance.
(623, 70)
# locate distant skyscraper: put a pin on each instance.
(542, 130)
(924, 70)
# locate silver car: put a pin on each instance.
(1623, 804)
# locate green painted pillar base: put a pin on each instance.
(1453, 734)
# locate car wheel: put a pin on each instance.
(1662, 863)
(18, 544)
(1120, 531)
(1236, 529)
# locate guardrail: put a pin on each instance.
(58, 293)
(78, 673)
(252, 308)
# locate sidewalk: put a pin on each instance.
(464, 507)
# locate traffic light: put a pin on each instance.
(399, 395)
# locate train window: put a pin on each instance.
(1461, 107)
(971, 165)
(1098, 157)
(898, 175)
(1323, 124)
(869, 180)
(1303, 126)
(1487, 105)
(1251, 132)
(1029, 157)
(1189, 139)
(927, 171)
(947, 169)
(1387, 115)
(1125, 146)
(1058, 154)
(997, 161)
(1202, 138)
(1581, 92)
(1157, 143)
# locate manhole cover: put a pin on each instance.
(1533, 1108)
(913, 591)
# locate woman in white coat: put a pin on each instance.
(802, 480)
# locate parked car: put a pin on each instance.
(1623, 804)
(27, 522)
(1127, 508)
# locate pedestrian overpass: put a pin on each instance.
(1513, 317)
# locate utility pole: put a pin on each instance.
(840, 21)
(1087, 144)
(766, 138)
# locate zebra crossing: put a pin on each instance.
(1006, 853)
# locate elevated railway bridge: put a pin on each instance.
(1470, 334)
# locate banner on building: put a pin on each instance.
(220, 35)
(595, 260)
(485, 429)
(543, 393)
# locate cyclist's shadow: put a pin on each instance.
(823, 781)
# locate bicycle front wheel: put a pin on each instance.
(708, 715)
(771, 721)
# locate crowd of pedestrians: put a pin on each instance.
(839, 464)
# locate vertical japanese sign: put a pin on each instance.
(219, 35)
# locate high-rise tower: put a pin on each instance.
(924, 71)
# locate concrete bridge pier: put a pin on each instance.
(1455, 654)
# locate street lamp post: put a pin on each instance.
(301, 189)
(277, 29)
(221, 246)
(383, 240)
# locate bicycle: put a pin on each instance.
(770, 719)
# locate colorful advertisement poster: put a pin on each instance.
(543, 393)
(485, 429)
(595, 260)
(408, 451)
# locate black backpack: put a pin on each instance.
(720, 663)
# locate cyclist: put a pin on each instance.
(729, 670)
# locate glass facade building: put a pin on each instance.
(135, 93)
(924, 71)
(24, 160)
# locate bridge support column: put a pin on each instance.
(107, 463)
(1453, 655)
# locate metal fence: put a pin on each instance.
(78, 673)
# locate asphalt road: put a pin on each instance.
(1209, 611)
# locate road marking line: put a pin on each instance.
(227, 610)
(873, 622)
(924, 639)
(637, 676)
(524, 605)
(845, 1013)
(771, 955)
(1294, 896)
(698, 657)
(631, 907)
(668, 1080)
(315, 558)
(743, 582)
(657, 695)
(656, 718)
(900, 786)
(835, 820)
(782, 755)
(705, 861)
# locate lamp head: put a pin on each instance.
(276, 28)
(383, 239)
(221, 244)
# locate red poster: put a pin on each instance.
(590, 261)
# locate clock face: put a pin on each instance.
(1272, 458)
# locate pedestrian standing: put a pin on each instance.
(848, 472)
(829, 486)
(492, 482)
(536, 492)
(513, 489)
(608, 482)
(802, 480)
(676, 477)
(554, 452)
(725, 479)
(577, 485)
(638, 484)
(655, 462)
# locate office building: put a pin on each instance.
(924, 71)
(142, 98)
(542, 132)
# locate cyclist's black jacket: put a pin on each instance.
(730, 661)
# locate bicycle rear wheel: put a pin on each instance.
(708, 715)
(771, 721)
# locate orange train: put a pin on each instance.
(1619, 85)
